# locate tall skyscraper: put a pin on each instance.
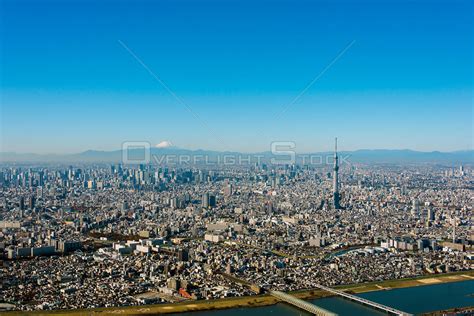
(22, 203)
(453, 219)
(208, 200)
(431, 215)
(205, 200)
(336, 195)
(32, 202)
(415, 210)
(228, 189)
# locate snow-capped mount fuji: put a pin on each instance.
(165, 144)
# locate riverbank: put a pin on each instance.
(258, 300)
(453, 311)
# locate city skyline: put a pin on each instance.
(295, 73)
(238, 157)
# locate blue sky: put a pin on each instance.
(68, 85)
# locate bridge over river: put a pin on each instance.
(290, 299)
(312, 308)
(364, 301)
(316, 310)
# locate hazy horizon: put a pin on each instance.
(237, 151)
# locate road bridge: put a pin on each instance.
(364, 301)
(313, 309)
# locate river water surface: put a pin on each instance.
(414, 300)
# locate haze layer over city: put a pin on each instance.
(236, 157)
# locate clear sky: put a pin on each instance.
(69, 85)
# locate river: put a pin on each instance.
(414, 300)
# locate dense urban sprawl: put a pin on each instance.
(98, 235)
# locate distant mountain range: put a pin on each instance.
(359, 156)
